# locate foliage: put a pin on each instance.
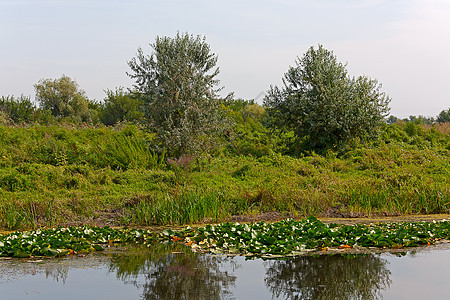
(291, 238)
(63, 98)
(178, 85)
(269, 240)
(184, 207)
(249, 135)
(321, 102)
(121, 147)
(64, 173)
(444, 116)
(61, 241)
(18, 109)
(120, 106)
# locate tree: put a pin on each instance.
(120, 106)
(178, 85)
(392, 120)
(63, 98)
(444, 116)
(19, 109)
(321, 103)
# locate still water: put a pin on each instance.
(167, 272)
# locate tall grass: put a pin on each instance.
(116, 147)
(128, 152)
(189, 207)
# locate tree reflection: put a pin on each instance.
(328, 277)
(175, 272)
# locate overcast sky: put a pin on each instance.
(405, 44)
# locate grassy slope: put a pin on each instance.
(55, 175)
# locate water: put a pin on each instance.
(165, 272)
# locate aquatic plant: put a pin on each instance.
(283, 238)
(290, 237)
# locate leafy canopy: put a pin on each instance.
(444, 116)
(19, 109)
(120, 106)
(63, 98)
(323, 104)
(178, 84)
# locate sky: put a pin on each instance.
(404, 44)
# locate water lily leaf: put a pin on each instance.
(167, 232)
(97, 247)
(21, 254)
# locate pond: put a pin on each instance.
(175, 272)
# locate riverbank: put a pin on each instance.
(65, 175)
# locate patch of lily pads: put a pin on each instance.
(279, 239)
(61, 241)
(290, 237)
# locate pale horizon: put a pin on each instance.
(403, 44)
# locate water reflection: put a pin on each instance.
(176, 273)
(328, 277)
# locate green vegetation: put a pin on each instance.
(58, 241)
(52, 175)
(290, 238)
(444, 116)
(178, 85)
(322, 104)
(120, 106)
(171, 151)
(269, 240)
(63, 98)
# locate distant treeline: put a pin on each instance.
(318, 108)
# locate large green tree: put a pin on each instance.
(63, 98)
(321, 103)
(178, 84)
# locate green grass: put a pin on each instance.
(51, 175)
